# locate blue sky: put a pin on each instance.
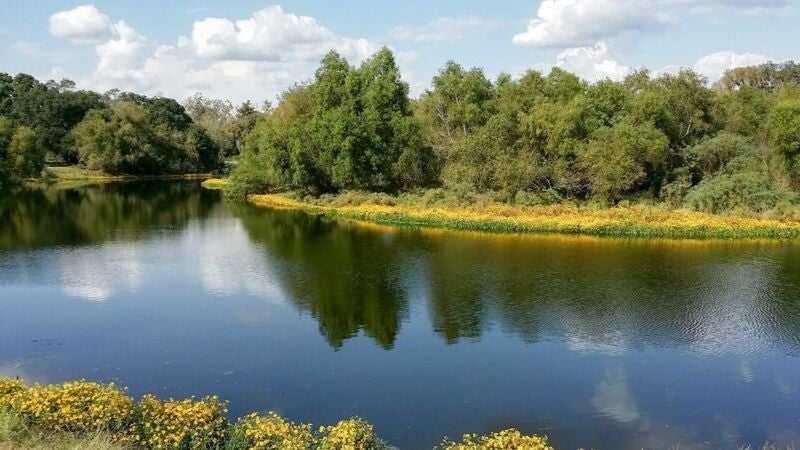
(250, 49)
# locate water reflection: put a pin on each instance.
(599, 343)
(346, 280)
(598, 295)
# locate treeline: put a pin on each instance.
(537, 139)
(117, 132)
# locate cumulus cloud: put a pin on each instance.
(592, 63)
(580, 23)
(271, 35)
(715, 65)
(441, 29)
(82, 25)
(249, 59)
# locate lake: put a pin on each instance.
(605, 343)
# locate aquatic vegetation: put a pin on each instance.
(215, 183)
(181, 424)
(629, 221)
(503, 440)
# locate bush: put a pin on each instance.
(503, 440)
(350, 434)
(181, 424)
(77, 406)
(747, 191)
(546, 197)
(272, 432)
(8, 388)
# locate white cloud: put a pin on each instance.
(613, 398)
(250, 59)
(271, 35)
(715, 65)
(441, 29)
(592, 63)
(82, 25)
(580, 23)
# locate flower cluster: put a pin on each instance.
(350, 434)
(181, 424)
(9, 387)
(77, 406)
(83, 407)
(273, 432)
(503, 440)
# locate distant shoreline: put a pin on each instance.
(627, 221)
(74, 173)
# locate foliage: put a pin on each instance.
(88, 415)
(350, 434)
(20, 155)
(271, 433)
(181, 424)
(50, 109)
(351, 128)
(503, 440)
(143, 136)
(77, 406)
(616, 159)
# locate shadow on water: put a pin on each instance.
(600, 293)
(345, 279)
(45, 217)
(603, 343)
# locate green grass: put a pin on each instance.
(16, 435)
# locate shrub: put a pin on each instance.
(503, 440)
(77, 406)
(8, 388)
(181, 424)
(748, 191)
(350, 434)
(255, 432)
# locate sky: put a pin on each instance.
(253, 50)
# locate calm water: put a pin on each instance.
(611, 344)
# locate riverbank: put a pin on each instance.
(94, 416)
(75, 173)
(646, 221)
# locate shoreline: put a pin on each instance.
(624, 222)
(73, 173)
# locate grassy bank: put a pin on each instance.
(75, 173)
(85, 415)
(625, 221)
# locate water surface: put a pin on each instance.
(601, 343)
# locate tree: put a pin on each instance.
(458, 102)
(616, 159)
(143, 136)
(351, 128)
(20, 155)
(217, 118)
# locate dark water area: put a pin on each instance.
(598, 343)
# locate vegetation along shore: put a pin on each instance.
(92, 416)
(661, 156)
(440, 210)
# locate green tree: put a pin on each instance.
(616, 159)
